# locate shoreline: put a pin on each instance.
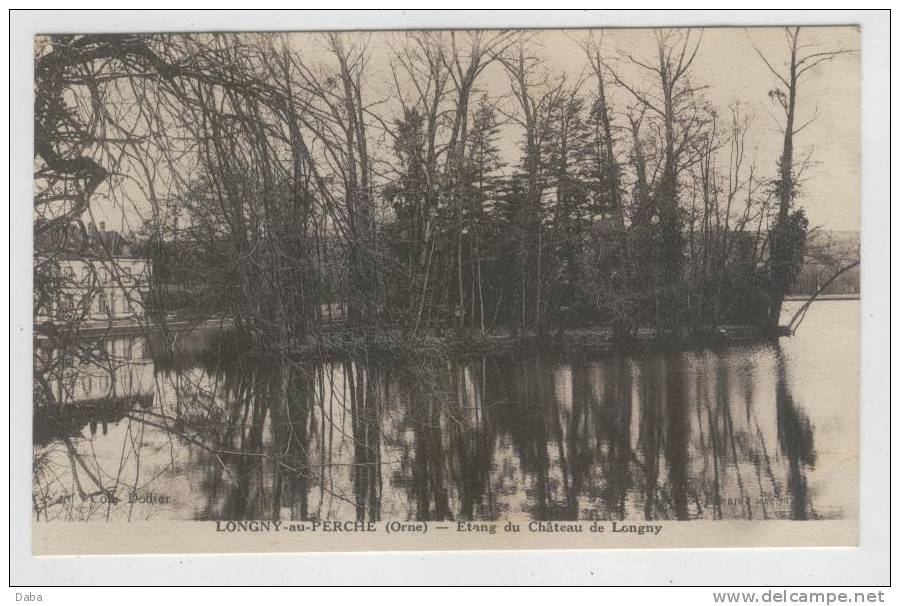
(835, 297)
(596, 340)
(340, 340)
(218, 340)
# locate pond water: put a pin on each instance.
(745, 431)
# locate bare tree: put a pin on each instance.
(783, 253)
(679, 117)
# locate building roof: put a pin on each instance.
(74, 241)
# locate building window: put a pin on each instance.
(103, 304)
(66, 305)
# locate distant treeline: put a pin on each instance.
(827, 252)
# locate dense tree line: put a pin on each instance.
(279, 181)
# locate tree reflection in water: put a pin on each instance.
(669, 435)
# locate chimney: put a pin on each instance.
(102, 225)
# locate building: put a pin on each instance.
(89, 279)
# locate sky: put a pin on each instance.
(728, 66)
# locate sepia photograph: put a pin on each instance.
(446, 289)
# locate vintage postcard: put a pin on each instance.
(438, 290)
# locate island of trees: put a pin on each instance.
(414, 183)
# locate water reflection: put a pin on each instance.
(742, 432)
(671, 435)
